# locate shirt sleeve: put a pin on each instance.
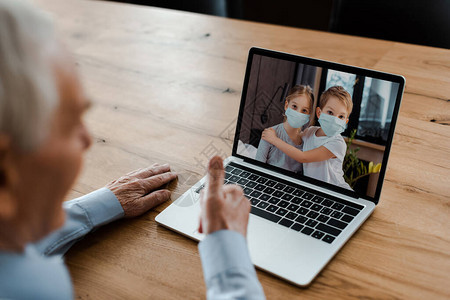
(227, 267)
(337, 146)
(82, 216)
(306, 134)
(262, 154)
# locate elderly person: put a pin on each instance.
(42, 142)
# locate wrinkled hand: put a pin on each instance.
(138, 191)
(222, 206)
(269, 135)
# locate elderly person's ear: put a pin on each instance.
(8, 177)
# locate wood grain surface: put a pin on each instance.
(166, 87)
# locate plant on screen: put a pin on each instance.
(355, 169)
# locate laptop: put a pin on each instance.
(299, 223)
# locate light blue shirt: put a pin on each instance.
(227, 267)
(40, 273)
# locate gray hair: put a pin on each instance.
(28, 87)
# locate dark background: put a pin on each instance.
(423, 22)
(269, 83)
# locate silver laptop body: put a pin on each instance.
(279, 249)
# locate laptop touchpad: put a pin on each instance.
(262, 238)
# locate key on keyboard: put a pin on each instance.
(301, 211)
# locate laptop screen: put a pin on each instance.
(322, 122)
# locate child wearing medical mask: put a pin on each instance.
(323, 146)
(298, 107)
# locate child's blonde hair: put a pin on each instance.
(298, 90)
(340, 93)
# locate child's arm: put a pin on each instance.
(262, 154)
(315, 155)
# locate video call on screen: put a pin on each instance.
(369, 122)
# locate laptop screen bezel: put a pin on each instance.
(326, 65)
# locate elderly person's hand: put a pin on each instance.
(139, 191)
(222, 206)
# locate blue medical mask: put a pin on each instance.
(296, 119)
(331, 125)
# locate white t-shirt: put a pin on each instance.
(330, 170)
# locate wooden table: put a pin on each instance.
(167, 85)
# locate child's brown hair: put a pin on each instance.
(298, 90)
(340, 93)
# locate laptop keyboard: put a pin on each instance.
(288, 205)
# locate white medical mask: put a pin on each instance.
(331, 125)
(296, 119)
